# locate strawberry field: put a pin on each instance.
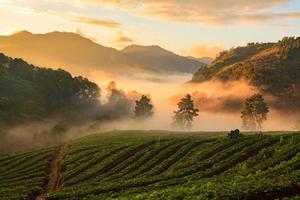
(154, 165)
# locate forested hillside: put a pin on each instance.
(274, 68)
(29, 92)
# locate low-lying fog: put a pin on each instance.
(219, 103)
(219, 106)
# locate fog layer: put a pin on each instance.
(219, 104)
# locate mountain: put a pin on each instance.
(274, 68)
(62, 49)
(80, 55)
(157, 58)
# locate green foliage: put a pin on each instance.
(59, 129)
(23, 175)
(185, 114)
(254, 112)
(287, 45)
(29, 92)
(143, 108)
(137, 165)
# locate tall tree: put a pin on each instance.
(118, 104)
(143, 108)
(185, 114)
(297, 125)
(254, 112)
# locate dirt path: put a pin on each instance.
(55, 178)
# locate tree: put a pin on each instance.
(143, 108)
(254, 112)
(297, 125)
(30, 92)
(118, 104)
(185, 114)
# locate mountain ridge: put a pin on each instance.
(154, 55)
(81, 55)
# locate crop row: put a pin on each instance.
(217, 166)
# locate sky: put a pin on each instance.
(188, 27)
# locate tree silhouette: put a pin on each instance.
(185, 114)
(143, 108)
(118, 104)
(297, 125)
(254, 112)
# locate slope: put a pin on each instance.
(28, 92)
(80, 55)
(274, 68)
(157, 58)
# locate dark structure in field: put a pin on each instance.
(234, 134)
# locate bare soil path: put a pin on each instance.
(54, 177)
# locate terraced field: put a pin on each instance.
(156, 165)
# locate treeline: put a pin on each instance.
(253, 113)
(29, 92)
(287, 45)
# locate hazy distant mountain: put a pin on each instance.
(274, 68)
(67, 50)
(157, 58)
(206, 60)
(80, 55)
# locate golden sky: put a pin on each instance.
(189, 27)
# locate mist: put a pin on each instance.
(219, 104)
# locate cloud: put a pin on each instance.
(79, 32)
(96, 22)
(121, 40)
(212, 12)
(260, 17)
(205, 51)
(78, 18)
